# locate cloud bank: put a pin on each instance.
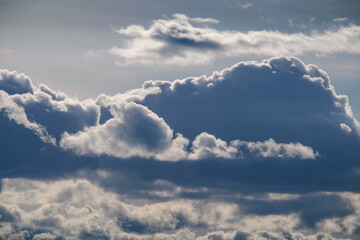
(276, 110)
(78, 209)
(131, 130)
(181, 41)
(258, 150)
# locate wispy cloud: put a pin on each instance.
(245, 5)
(340, 19)
(180, 41)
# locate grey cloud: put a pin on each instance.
(132, 130)
(43, 110)
(6, 216)
(17, 113)
(177, 41)
(311, 208)
(270, 148)
(57, 112)
(15, 83)
(280, 98)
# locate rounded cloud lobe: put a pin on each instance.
(134, 131)
(258, 150)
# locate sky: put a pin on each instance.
(180, 120)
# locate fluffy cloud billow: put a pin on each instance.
(244, 153)
(180, 40)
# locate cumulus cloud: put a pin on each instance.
(281, 98)
(258, 115)
(274, 101)
(144, 134)
(180, 41)
(206, 145)
(128, 130)
(43, 107)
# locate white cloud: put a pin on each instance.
(206, 145)
(177, 41)
(270, 148)
(134, 131)
(345, 127)
(245, 5)
(340, 19)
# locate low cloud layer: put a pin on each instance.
(182, 40)
(78, 209)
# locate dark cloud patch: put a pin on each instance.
(93, 235)
(246, 177)
(105, 114)
(281, 99)
(23, 154)
(72, 120)
(6, 216)
(241, 236)
(311, 208)
(253, 101)
(140, 129)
